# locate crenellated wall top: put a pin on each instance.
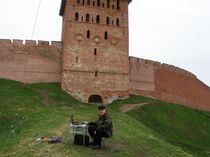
(161, 65)
(30, 42)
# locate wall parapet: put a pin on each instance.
(161, 65)
(19, 42)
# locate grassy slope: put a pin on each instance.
(155, 130)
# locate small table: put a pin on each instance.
(78, 129)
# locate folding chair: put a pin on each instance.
(105, 140)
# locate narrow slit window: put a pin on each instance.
(93, 3)
(113, 6)
(103, 5)
(97, 19)
(98, 3)
(96, 73)
(107, 20)
(88, 2)
(78, 1)
(95, 51)
(118, 4)
(88, 34)
(76, 16)
(81, 18)
(83, 2)
(117, 22)
(106, 35)
(87, 17)
(108, 3)
(77, 59)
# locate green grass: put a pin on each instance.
(158, 129)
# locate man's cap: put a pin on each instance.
(101, 107)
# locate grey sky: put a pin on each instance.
(169, 31)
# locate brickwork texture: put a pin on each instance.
(92, 61)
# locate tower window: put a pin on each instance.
(108, 3)
(87, 17)
(83, 2)
(95, 51)
(117, 22)
(98, 3)
(113, 6)
(97, 19)
(106, 35)
(103, 5)
(88, 34)
(96, 73)
(88, 2)
(118, 4)
(93, 3)
(78, 1)
(107, 20)
(77, 59)
(76, 16)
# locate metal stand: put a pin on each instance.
(78, 129)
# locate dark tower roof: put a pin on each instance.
(63, 3)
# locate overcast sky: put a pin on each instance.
(170, 31)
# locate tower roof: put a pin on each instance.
(63, 3)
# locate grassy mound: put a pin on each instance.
(157, 129)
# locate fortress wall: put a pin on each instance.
(141, 75)
(31, 61)
(179, 86)
(168, 83)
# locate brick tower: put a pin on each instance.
(95, 49)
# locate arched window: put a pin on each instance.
(117, 22)
(108, 3)
(78, 1)
(88, 34)
(107, 20)
(97, 19)
(98, 3)
(87, 17)
(106, 35)
(76, 16)
(88, 2)
(118, 4)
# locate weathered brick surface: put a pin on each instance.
(30, 62)
(93, 65)
(85, 56)
(168, 83)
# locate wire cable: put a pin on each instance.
(37, 14)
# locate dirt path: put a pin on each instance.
(129, 107)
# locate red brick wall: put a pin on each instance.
(30, 62)
(168, 83)
(111, 60)
(41, 62)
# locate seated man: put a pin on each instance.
(101, 128)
